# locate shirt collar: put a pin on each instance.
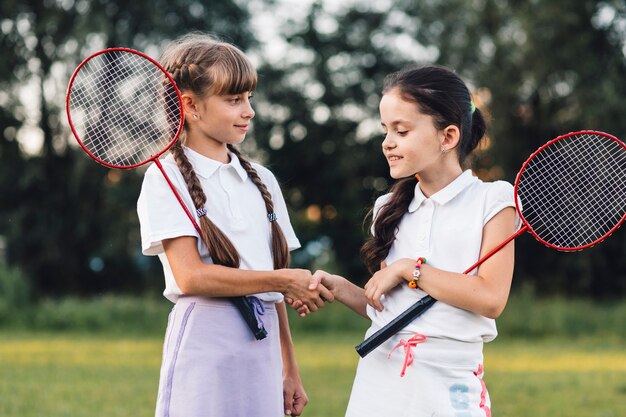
(205, 167)
(445, 194)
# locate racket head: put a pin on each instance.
(571, 192)
(123, 107)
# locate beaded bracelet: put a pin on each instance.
(417, 272)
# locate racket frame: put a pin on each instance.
(160, 67)
(527, 226)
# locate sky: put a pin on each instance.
(269, 21)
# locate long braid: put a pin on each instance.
(203, 66)
(280, 249)
(221, 249)
(377, 247)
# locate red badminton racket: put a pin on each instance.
(570, 194)
(125, 110)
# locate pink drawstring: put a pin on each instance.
(408, 350)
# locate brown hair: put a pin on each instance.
(438, 92)
(206, 66)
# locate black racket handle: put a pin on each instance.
(394, 326)
(246, 309)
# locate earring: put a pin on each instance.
(195, 117)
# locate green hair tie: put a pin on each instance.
(472, 107)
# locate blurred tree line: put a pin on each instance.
(539, 68)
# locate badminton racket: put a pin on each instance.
(570, 195)
(125, 110)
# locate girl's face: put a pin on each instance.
(412, 143)
(223, 119)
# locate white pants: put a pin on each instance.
(444, 380)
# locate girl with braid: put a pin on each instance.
(212, 363)
(437, 220)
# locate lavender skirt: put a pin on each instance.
(214, 367)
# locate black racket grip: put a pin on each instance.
(394, 326)
(247, 312)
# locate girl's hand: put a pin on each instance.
(386, 279)
(320, 281)
(300, 290)
(294, 397)
(323, 278)
(299, 306)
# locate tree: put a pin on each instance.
(69, 223)
(540, 69)
(525, 65)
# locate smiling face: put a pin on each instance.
(224, 118)
(412, 142)
(217, 120)
(216, 81)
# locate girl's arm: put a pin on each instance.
(194, 277)
(485, 293)
(343, 290)
(294, 396)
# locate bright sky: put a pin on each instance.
(267, 23)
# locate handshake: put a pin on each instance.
(308, 292)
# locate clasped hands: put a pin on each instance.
(320, 281)
(305, 292)
(328, 285)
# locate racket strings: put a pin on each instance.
(130, 112)
(590, 222)
(573, 192)
(579, 189)
(121, 108)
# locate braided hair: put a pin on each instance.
(206, 66)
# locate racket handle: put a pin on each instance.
(246, 309)
(391, 328)
(417, 309)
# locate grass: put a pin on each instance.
(584, 378)
(79, 375)
(73, 357)
(69, 376)
(526, 315)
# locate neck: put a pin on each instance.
(209, 147)
(432, 181)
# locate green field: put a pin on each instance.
(42, 375)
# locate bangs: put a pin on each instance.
(232, 73)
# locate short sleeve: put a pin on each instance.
(280, 208)
(160, 213)
(378, 204)
(500, 196)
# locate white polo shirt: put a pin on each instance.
(234, 204)
(447, 230)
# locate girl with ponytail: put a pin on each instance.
(212, 364)
(436, 220)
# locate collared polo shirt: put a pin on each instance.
(234, 204)
(446, 229)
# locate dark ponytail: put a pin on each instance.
(477, 132)
(375, 250)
